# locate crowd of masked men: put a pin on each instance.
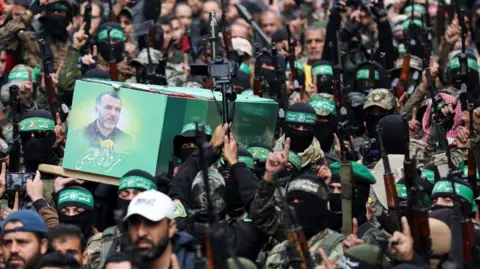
(372, 163)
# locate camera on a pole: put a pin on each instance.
(220, 70)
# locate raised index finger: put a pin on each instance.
(287, 147)
(406, 227)
(355, 227)
(414, 114)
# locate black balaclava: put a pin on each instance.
(105, 48)
(472, 72)
(324, 131)
(394, 134)
(364, 84)
(323, 70)
(358, 118)
(272, 76)
(38, 149)
(79, 197)
(241, 82)
(56, 25)
(188, 136)
(260, 152)
(300, 114)
(360, 198)
(134, 179)
(335, 208)
(311, 207)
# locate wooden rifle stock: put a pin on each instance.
(209, 250)
(113, 71)
(111, 14)
(256, 86)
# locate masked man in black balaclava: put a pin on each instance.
(323, 76)
(300, 122)
(307, 196)
(380, 103)
(326, 124)
(75, 206)
(453, 77)
(131, 184)
(184, 143)
(111, 49)
(273, 74)
(37, 134)
(363, 179)
(54, 19)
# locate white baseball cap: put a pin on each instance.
(242, 45)
(152, 205)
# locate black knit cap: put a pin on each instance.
(309, 184)
(75, 196)
(97, 73)
(301, 108)
(38, 113)
(279, 35)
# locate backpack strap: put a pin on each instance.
(331, 241)
(109, 244)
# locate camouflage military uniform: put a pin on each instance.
(98, 246)
(71, 72)
(173, 71)
(9, 33)
(328, 240)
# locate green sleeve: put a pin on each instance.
(70, 72)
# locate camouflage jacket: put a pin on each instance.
(33, 56)
(9, 32)
(98, 246)
(71, 71)
(328, 240)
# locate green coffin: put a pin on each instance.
(140, 122)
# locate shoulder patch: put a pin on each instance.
(179, 210)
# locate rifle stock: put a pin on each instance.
(389, 180)
(47, 75)
(14, 156)
(112, 64)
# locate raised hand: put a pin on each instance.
(277, 161)
(352, 239)
(401, 243)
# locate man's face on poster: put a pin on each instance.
(108, 111)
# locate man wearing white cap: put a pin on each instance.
(152, 231)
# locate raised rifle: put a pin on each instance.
(258, 66)
(281, 91)
(344, 109)
(14, 156)
(243, 12)
(87, 19)
(417, 209)
(47, 74)
(227, 33)
(297, 247)
(390, 188)
(111, 13)
(112, 64)
(291, 62)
